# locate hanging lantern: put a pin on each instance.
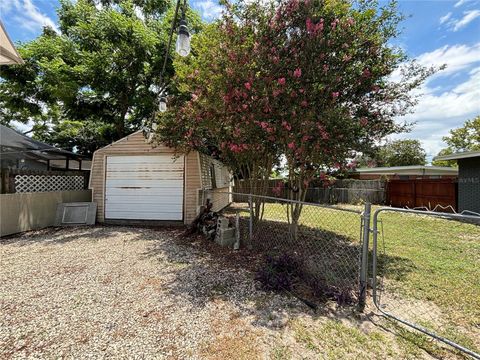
(183, 39)
(162, 107)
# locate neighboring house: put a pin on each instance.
(468, 179)
(132, 180)
(8, 53)
(18, 151)
(405, 172)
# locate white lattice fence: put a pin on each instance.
(43, 183)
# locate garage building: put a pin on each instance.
(132, 180)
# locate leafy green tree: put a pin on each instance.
(95, 81)
(402, 153)
(464, 138)
(447, 163)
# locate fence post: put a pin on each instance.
(364, 259)
(250, 223)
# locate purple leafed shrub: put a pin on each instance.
(278, 272)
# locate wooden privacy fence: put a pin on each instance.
(27, 180)
(345, 191)
(427, 193)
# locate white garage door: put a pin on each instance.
(144, 187)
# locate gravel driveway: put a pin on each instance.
(127, 292)
(122, 292)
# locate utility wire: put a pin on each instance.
(170, 37)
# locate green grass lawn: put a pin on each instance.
(429, 267)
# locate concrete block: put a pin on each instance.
(225, 237)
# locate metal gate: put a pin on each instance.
(426, 273)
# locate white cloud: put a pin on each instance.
(456, 57)
(7, 5)
(460, 3)
(442, 108)
(209, 9)
(445, 18)
(468, 17)
(26, 14)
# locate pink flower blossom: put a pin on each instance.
(286, 125)
(325, 67)
(281, 81)
(245, 106)
(304, 103)
(364, 121)
(235, 148)
(297, 73)
(366, 73)
(264, 125)
(313, 29)
(305, 138)
(309, 25)
(352, 165)
(276, 92)
(335, 94)
(278, 188)
(334, 23)
(291, 145)
(248, 86)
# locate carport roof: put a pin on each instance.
(13, 142)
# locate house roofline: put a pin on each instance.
(393, 169)
(459, 155)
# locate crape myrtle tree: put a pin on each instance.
(307, 80)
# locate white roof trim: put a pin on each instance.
(8, 54)
(459, 155)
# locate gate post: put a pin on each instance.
(364, 258)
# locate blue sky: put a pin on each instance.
(437, 32)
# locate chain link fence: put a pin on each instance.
(324, 244)
(424, 265)
(426, 273)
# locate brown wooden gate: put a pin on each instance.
(422, 193)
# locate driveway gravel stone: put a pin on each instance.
(123, 292)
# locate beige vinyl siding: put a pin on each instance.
(217, 193)
(192, 186)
